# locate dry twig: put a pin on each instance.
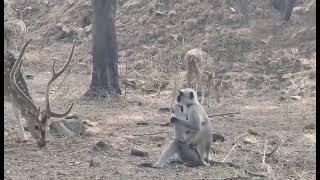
(151, 134)
(230, 152)
(126, 80)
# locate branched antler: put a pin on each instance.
(55, 75)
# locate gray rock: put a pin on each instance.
(102, 146)
(217, 137)
(75, 126)
(59, 129)
(138, 152)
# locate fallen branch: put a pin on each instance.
(151, 134)
(166, 124)
(269, 154)
(230, 152)
(223, 114)
(231, 164)
(264, 153)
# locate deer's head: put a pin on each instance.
(37, 119)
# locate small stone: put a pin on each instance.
(252, 132)
(95, 162)
(75, 126)
(138, 152)
(66, 29)
(80, 33)
(92, 131)
(286, 76)
(299, 10)
(310, 126)
(88, 28)
(59, 129)
(29, 76)
(250, 140)
(102, 146)
(217, 137)
(232, 10)
(146, 164)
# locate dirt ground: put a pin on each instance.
(268, 69)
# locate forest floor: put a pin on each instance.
(268, 68)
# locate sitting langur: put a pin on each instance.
(198, 121)
(181, 145)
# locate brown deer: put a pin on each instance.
(199, 77)
(16, 91)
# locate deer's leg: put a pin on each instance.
(189, 79)
(202, 94)
(20, 131)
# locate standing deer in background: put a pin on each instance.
(199, 77)
(16, 91)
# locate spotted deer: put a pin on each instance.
(16, 92)
(200, 77)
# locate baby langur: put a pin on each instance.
(181, 145)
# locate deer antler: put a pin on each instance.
(55, 75)
(16, 69)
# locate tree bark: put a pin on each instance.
(285, 7)
(105, 78)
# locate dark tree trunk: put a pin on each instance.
(105, 50)
(285, 7)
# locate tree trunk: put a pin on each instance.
(285, 7)
(105, 78)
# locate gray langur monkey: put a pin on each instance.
(198, 122)
(181, 145)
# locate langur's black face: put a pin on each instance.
(186, 96)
